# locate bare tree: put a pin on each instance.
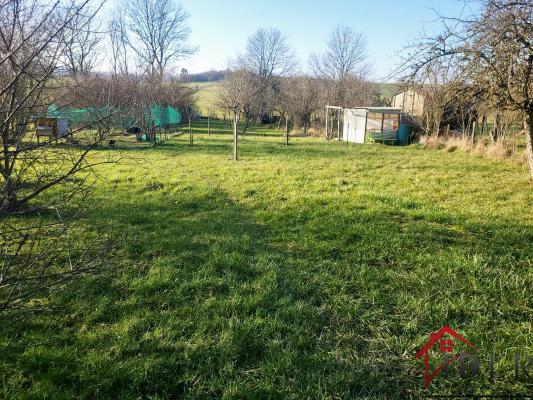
(346, 56)
(181, 96)
(299, 101)
(37, 254)
(492, 53)
(118, 38)
(236, 93)
(189, 109)
(267, 58)
(30, 50)
(343, 69)
(267, 54)
(434, 85)
(159, 33)
(81, 43)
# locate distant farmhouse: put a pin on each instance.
(410, 102)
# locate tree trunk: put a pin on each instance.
(190, 133)
(10, 196)
(247, 121)
(495, 134)
(8, 189)
(528, 127)
(286, 130)
(305, 128)
(235, 157)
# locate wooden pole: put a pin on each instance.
(287, 130)
(208, 124)
(235, 135)
(473, 131)
(327, 112)
(447, 131)
(190, 133)
(338, 124)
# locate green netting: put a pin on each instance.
(165, 116)
(156, 116)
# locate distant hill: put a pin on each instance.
(208, 90)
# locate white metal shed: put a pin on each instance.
(365, 124)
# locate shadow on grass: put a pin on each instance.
(315, 300)
(204, 305)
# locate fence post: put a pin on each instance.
(338, 125)
(327, 112)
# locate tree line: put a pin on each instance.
(477, 66)
(265, 82)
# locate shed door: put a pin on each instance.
(346, 125)
(349, 126)
(360, 126)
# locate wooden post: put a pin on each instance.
(287, 130)
(473, 131)
(347, 134)
(208, 124)
(327, 112)
(190, 133)
(235, 135)
(447, 131)
(338, 124)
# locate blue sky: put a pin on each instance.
(221, 27)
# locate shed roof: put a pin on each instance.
(384, 110)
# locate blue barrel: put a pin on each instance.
(404, 134)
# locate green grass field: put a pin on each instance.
(207, 95)
(313, 271)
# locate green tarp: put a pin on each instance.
(165, 116)
(157, 116)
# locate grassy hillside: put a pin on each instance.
(386, 92)
(313, 271)
(207, 96)
(208, 92)
(387, 89)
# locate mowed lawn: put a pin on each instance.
(314, 271)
